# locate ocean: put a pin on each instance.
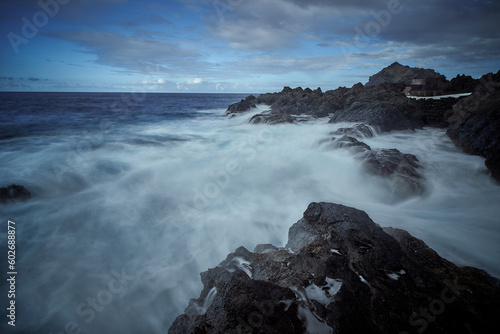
(133, 195)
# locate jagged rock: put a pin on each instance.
(384, 107)
(358, 131)
(475, 123)
(265, 248)
(272, 118)
(342, 273)
(397, 73)
(242, 106)
(461, 84)
(14, 193)
(398, 169)
(346, 142)
(381, 103)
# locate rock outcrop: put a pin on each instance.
(384, 107)
(475, 123)
(381, 102)
(14, 193)
(397, 73)
(342, 273)
(242, 106)
(399, 170)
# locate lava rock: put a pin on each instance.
(384, 107)
(14, 193)
(399, 170)
(397, 73)
(357, 130)
(342, 273)
(242, 106)
(475, 123)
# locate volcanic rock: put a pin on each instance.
(475, 123)
(397, 73)
(342, 273)
(14, 193)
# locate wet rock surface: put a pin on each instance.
(14, 193)
(472, 122)
(475, 123)
(342, 273)
(399, 170)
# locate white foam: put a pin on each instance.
(119, 206)
(437, 97)
(393, 276)
(325, 293)
(244, 265)
(335, 251)
(208, 301)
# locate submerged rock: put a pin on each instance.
(342, 273)
(399, 170)
(14, 193)
(357, 130)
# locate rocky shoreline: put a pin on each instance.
(472, 122)
(342, 273)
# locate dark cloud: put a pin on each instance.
(461, 30)
(33, 79)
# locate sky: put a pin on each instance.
(237, 46)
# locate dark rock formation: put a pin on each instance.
(242, 106)
(398, 169)
(294, 105)
(397, 73)
(461, 84)
(342, 273)
(381, 103)
(14, 193)
(475, 122)
(384, 107)
(357, 130)
(434, 111)
(272, 118)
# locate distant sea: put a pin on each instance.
(135, 194)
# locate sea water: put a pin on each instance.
(135, 194)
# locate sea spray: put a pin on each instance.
(121, 206)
